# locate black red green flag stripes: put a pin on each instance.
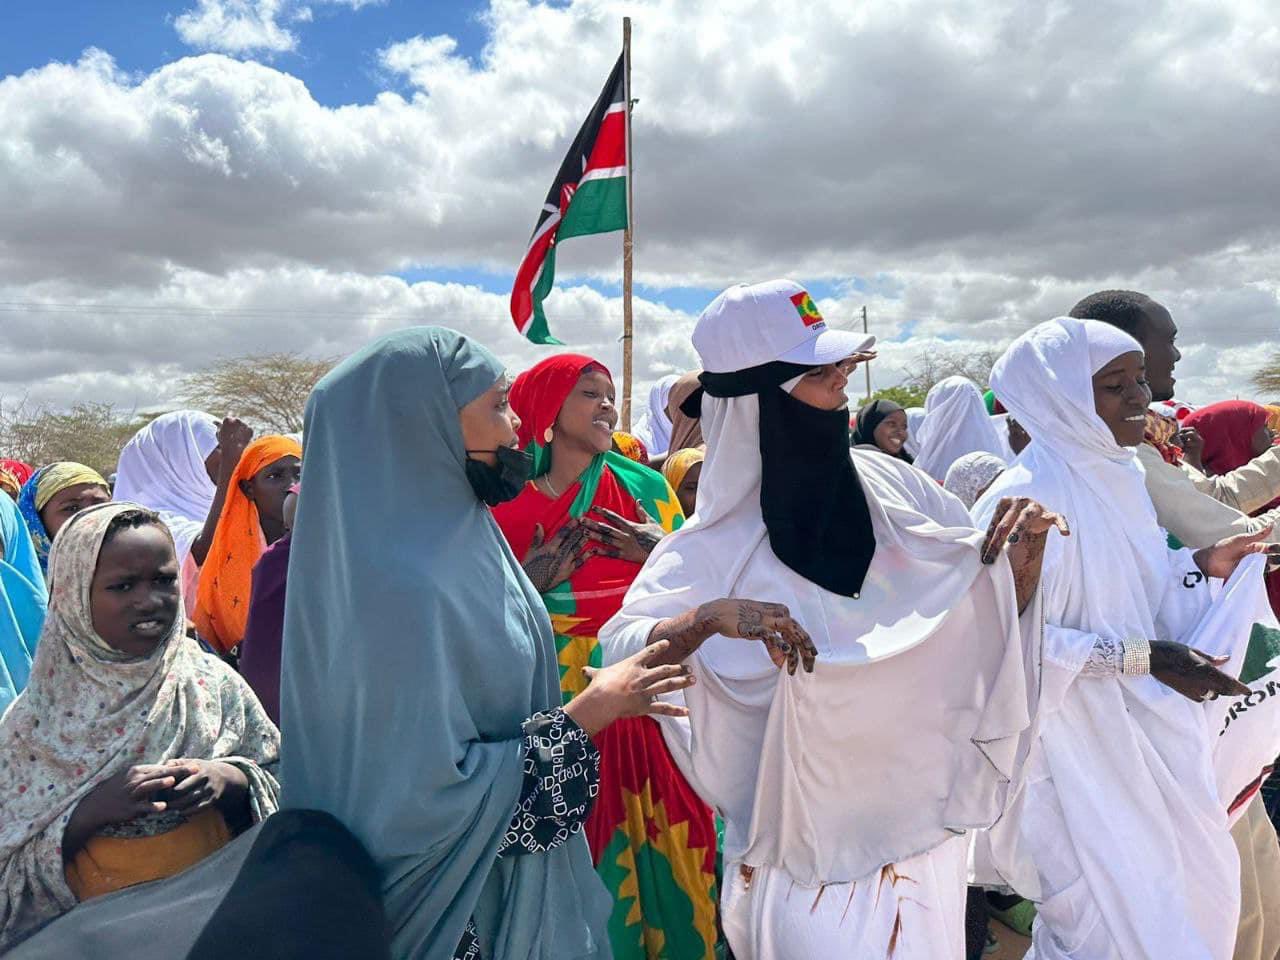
(589, 195)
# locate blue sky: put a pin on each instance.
(335, 58)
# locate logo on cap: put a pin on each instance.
(807, 309)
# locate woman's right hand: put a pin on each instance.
(234, 435)
(1192, 673)
(788, 643)
(549, 564)
(630, 688)
(125, 796)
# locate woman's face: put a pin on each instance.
(488, 422)
(268, 487)
(1121, 397)
(824, 387)
(1262, 440)
(687, 493)
(134, 597)
(891, 433)
(65, 504)
(588, 416)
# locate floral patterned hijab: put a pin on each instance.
(89, 711)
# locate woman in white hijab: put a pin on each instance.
(844, 786)
(180, 465)
(654, 431)
(1118, 830)
(956, 422)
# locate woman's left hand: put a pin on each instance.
(623, 538)
(206, 783)
(1024, 525)
(1223, 557)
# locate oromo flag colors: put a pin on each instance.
(807, 309)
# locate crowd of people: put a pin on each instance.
(765, 679)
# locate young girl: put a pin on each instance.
(131, 755)
(54, 495)
(252, 520)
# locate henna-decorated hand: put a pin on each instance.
(624, 538)
(549, 564)
(630, 688)
(1024, 525)
(1192, 673)
(788, 643)
(1223, 557)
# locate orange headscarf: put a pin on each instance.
(222, 600)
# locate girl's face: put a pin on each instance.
(134, 596)
(1121, 397)
(687, 494)
(65, 504)
(488, 422)
(268, 487)
(588, 416)
(824, 387)
(891, 433)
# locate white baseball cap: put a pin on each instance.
(756, 323)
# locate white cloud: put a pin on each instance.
(237, 26)
(981, 166)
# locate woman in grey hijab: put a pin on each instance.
(420, 685)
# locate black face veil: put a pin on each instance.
(811, 499)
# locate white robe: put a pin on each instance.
(899, 741)
(1117, 828)
(956, 422)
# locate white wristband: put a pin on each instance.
(1137, 657)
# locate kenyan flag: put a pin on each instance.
(589, 195)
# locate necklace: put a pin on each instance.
(546, 479)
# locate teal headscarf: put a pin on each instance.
(23, 600)
(414, 648)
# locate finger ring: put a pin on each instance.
(1014, 538)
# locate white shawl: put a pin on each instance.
(1128, 760)
(903, 735)
(162, 468)
(956, 422)
(654, 431)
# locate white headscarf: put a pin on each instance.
(1130, 798)
(655, 430)
(788, 759)
(972, 474)
(915, 420)
(162, 468)
(956, 423)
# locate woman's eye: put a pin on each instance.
(120, 587)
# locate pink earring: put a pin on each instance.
(548, 435)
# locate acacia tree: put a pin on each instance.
(88, 433)
(267, 391)
(1267, 380)
(934, 365)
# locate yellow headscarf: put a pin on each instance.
(58, 476)
(1273, 418)
(678, 465)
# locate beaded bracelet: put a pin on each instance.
(1137, 657)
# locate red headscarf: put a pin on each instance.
(21, 471)
(538, 394)
(1228, 429)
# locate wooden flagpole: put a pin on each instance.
(627, 340)
(868, 363)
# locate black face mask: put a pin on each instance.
(810, 496)
(495, 485)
